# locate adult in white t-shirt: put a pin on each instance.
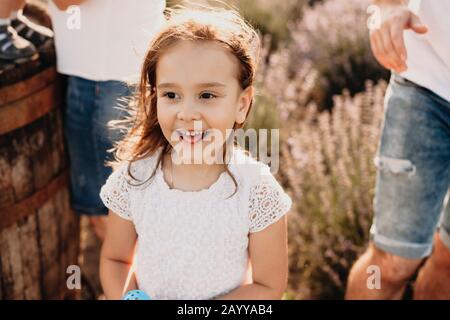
(412, 220)
(100, 46)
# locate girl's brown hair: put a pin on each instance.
(143, 133)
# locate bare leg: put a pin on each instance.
(6, 8)
(394, 274)
(17, 5)
(433, 281)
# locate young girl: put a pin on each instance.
(199, 230)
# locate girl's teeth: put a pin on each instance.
(193, 135)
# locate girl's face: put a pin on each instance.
(198, 93)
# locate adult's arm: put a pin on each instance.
(386, 40)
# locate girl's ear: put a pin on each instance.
(245, 98)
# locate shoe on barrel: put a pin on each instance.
(40, 36)
(14, 48)
(5, 66)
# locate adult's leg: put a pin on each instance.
(111, 96)
(395, 271)
(433, 281)
(82, 147)
(412, 181)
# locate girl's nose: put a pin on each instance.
(188, 113)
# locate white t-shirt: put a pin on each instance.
(105, 39)
(429, 54)
(194, 245)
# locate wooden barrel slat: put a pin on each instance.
(22, 112)
(69, 226)
(6, 190)
(55, 126)
(1, 278)
(39, 233)
(20, 90)
(18, 211)
(49, 239)
(21, 169)
(41, 154)
(11, 263)
(28, 237)
(30, 157)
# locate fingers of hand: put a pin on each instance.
(416, 24)
(398, 42)
(379, 51)
(388, 46)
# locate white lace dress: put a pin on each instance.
(194, 245)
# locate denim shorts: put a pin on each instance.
(413, 171)
(90, 105)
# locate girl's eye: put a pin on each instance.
(207, 96)
(170, 95)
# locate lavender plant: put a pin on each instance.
(327, 164)
(332, 36)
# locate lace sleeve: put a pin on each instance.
(115, 192)
(267, 203)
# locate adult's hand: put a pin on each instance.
(386, 41)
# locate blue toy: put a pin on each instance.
(136, 295)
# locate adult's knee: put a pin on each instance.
(441, 253)
(394, 270)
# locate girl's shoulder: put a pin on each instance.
(263, 197)
(128, 177)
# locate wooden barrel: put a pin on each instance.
(39, 233)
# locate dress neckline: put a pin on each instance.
(213, 187)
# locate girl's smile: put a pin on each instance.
(191, 136)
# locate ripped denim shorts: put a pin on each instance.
(413, 175)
